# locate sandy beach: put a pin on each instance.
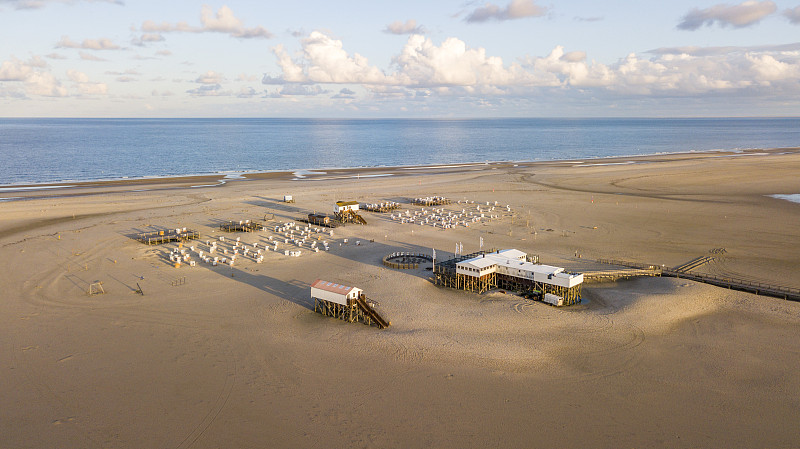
(236, 356)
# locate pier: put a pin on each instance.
(732, 283)
(630, 270)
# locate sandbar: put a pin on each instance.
(236, 357)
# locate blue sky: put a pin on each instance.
(506, 58)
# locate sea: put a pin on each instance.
(50, 150)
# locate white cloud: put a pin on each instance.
(330, 63)
(410, 27)
(325, 61)
(246, 92)
(292, 72)
(37, 61)
(44, 84)
(345, 94)
(422, 63)
(88, 44)
(454, 69)
(793, 15)
(766, 68)
(37, 4)
(302, 90)
(717, 51)
(127, 76)
(164, 27)
(90, 57)
(223, 21)
(517, 9)
(560, 68)
(15, 70)
(84, 86)
(210, 77)
(147, 38)
(77, 77)
(33, 78)
(152, 37)
(92, 88)
(741, 15)
(209, 90)
(125, 72)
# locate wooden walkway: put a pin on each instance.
(371, 313)
(320, 222)
(613, 275)
(758, 288)
(692, 264)
(357, 310)
(350, 216)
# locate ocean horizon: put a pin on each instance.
(53, 150)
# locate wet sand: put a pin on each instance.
(236, 357)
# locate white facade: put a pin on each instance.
(477, 267)
(342, 206)
(511, 262)
(332, 292)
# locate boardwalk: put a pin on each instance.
(682, 272)
(776, 291)
(613, 275)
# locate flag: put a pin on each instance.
(434, 253)
(481, 242)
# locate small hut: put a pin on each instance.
(345, 303)
(342, 206)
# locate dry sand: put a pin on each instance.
(236, 357)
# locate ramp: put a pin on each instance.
(350, 216)
(371, 313)
(692, 264)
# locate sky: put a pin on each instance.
(411, 58)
